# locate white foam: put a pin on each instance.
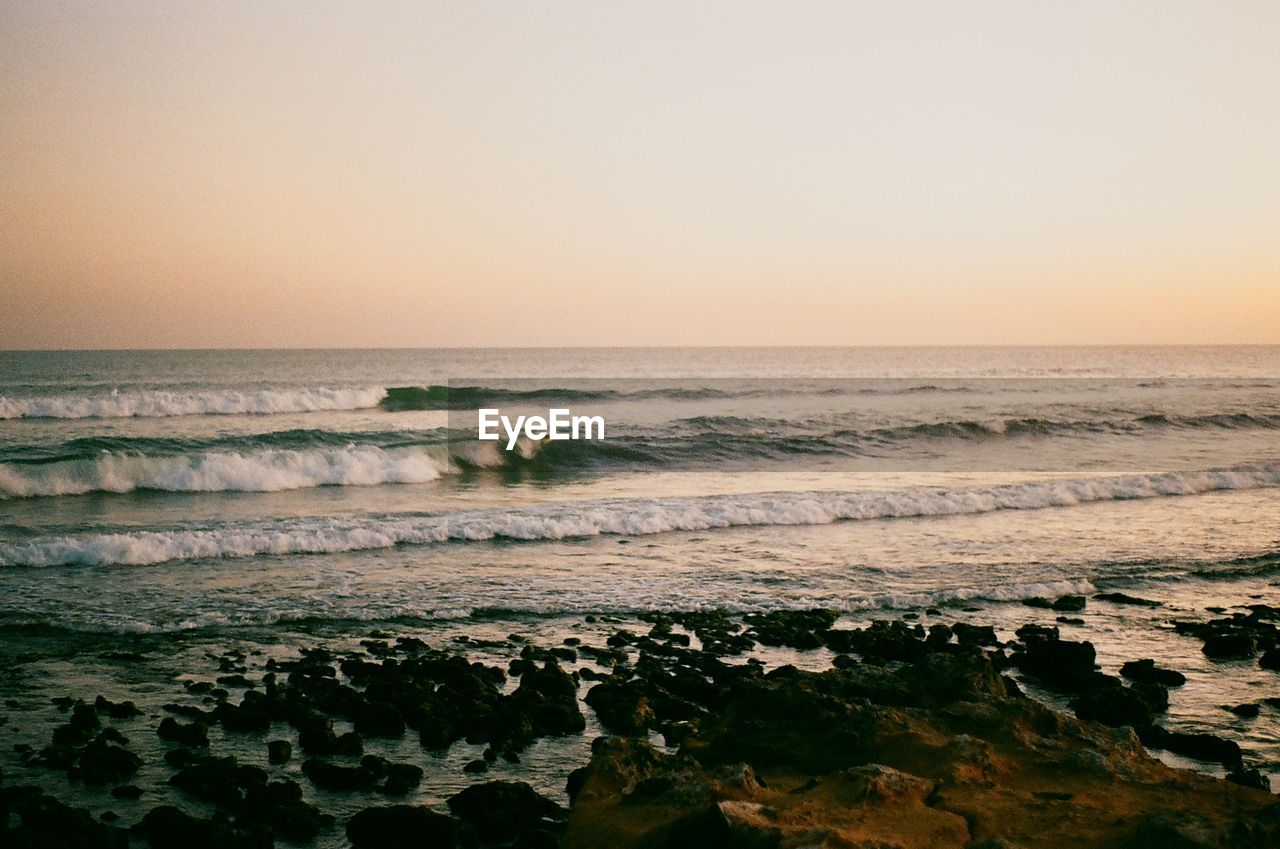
(152, 403)
(269, 470)
(629, 517)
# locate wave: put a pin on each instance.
(154, 403)
(629, 517)
(270, 470)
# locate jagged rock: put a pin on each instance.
(622, 706)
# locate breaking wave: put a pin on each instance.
(637, 516)
(154, 403)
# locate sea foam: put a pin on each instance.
(630, 516)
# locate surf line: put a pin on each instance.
(558, 425)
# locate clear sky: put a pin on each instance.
(584, 173)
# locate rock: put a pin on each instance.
(1061, 664)
(1062, 604)
(1247, 710)
(1113, 706)
(1230, 646)
(279, 751)
(278, 806)
(476, 766)
(195, 734)
(331, 776)
(500, 811)
(221, 781)
(127, 791)
(401, 827)
(1176, 830)
(1270, 659)
(106, 764)
(975, 635)
(166, 827)
(1146, 670)
(116, 710)
(622, 707)
(43, 822)
(401, 778)
(1204, 747)
(1122, 598)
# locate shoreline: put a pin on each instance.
(678, 705)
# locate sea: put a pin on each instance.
(177, 503)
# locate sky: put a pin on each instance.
(261, 174)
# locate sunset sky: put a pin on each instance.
(607, 173)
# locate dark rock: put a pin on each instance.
(127, 791)
(503, 810)
(106, 764)
(401, 827)
(477, 766)
(116, 710)
(279, 751)
(1205, 747)
(278, 806)
(622, 706)
(1247, 710)
(331, 776)
(1146, 670)
(1122, 598)
(975, 635)
(195, 734)
(166, 827)
(1230, 646)
(1270, 659)
(46, 823)
(1249, 778)
(221, 781)
(1062, 664)
(1113, 706)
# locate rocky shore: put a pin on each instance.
(913, 736)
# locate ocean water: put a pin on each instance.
(269, 499)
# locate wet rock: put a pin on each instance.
(330, 776)
(102, 763)
(975, 635)
(1249, 778)
(1062, 604)
(622, 706)
(401, 827)
(1230, 646)
(1122, 598)
(222, 781)
(401, 778)
(167, 827)
(1205, 747)
(242, 719)
(1270, 659)
(1248, 710)
(1062, 664)
(1146, 670)
(1113, 706)
(43, 822)
(127, 791)
(116, 710)
(505, 810)
(279, 751)
(476, 766)
(278, 807)
(195, 735)
(800, 629)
